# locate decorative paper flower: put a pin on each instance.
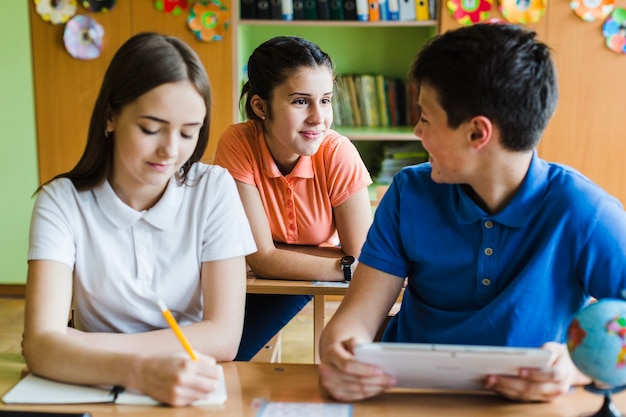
(208, 20)
(468, 12)
(173, 7)
(55, 11)
(522, 11)
(98, 6)
(83, 37)
(614, 30)
(590, 10)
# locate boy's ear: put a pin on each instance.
(259, 106)
(481, 131)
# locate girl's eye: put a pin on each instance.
(186, 136)
(326, 100)
(147, 131)
(300, 101)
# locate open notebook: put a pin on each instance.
(35, 390)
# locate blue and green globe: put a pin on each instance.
(596, 341)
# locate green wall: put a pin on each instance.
(18, 155)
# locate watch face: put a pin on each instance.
(347, 260)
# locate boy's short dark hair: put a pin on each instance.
(499, 71)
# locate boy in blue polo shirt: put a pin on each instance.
(499, 246)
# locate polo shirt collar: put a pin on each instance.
(303, 168)
(161, 215)
(520, 209)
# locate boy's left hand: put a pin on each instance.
(543, 385)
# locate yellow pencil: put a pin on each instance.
(176, 328)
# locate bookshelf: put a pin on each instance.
(384, 47)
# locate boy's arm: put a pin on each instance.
(364, 308)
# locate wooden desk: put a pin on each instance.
(249, 384)
(285, 287)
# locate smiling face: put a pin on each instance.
(448, 148)
(154, 136)
(300, 115)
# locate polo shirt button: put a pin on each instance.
(488, 251)
(290, 215)
(289, 203)
(292, 226)
(486, 281)
(488, 224)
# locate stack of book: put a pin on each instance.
(398, 156)
(360, 10)
(373, 100)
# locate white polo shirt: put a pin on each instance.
(123, 259)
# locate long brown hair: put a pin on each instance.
(145, 61)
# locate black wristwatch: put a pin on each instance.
(346, 265)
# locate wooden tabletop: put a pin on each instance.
(290, 287)
(250, 384)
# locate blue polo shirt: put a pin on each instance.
(515, 278)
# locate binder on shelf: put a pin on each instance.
(262, 9)
(373, 10)
(383, 10)
(407, 10)
(432, 9)
(276, 9)
(421, 9)
(336, 10)
(310, 9)
(298, 9)
(248, 9)
(287, 9)
(349, 10)
(362, 10)
(393, 9)
(323, 10)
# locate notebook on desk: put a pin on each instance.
(448, 367)
(36, 390)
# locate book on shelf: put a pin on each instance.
(432, 9)
(276, 9)
(422, 9)
(407, 10)
(36, 390)
(342, 109)
(369, 100)
(248, 9)
(336, 10)
(310, 9)
(354, 100)
(393, 9)
(262, 9)
(323, 9)
(373, 10)
(383, 9)
(362, 10)
(287, 9)
(398, 156)
(349, 10)
(382, 94)
(298, 9)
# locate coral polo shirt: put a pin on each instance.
(299, 206)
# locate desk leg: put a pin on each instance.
(318, 324)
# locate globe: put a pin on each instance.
(596, 341)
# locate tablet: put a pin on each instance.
(448, 367)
